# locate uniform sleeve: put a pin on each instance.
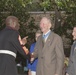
(70, 62)
(17, 44)
(36, 48)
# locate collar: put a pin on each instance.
(8, 27)
(46, 34)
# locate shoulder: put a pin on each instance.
(15, 31)
(56, 35)
(40, 36)
(14, 34)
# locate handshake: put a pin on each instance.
(24, 41)
(32, 57)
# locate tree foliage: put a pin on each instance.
(18, 9)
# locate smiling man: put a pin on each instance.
(49, 50)
(71, 70)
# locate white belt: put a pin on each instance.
(8, 52)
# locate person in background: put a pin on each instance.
(71, 69)
(49, 50)
(10, 44)
(32, 66)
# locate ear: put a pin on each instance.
(14, 24)
(50, 26)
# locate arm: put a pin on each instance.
(69, 62)
(59, 56)
(22, 42)
(35, 53)
(29, 65)
(15, 42)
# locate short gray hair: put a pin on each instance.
(49, 20)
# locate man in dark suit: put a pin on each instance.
(49, 50)
(10, 43)
(71, 70)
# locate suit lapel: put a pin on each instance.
(41, 40)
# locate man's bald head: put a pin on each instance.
(47, 20)
(45, 24)
(12, 21)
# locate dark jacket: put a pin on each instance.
(71, 70)
(9, 41)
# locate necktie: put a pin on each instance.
(43, 39)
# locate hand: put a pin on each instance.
(31, 60)
(29, 72)
(32, 57)
(24, 40)
(67, 74)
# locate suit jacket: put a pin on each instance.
(71, 70)
(9, 41)
(50, 56)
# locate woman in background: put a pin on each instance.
(32, 66)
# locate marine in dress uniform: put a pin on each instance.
(9, 46)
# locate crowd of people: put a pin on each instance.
(46, 55)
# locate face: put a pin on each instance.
(74, 33)
(44, 25)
